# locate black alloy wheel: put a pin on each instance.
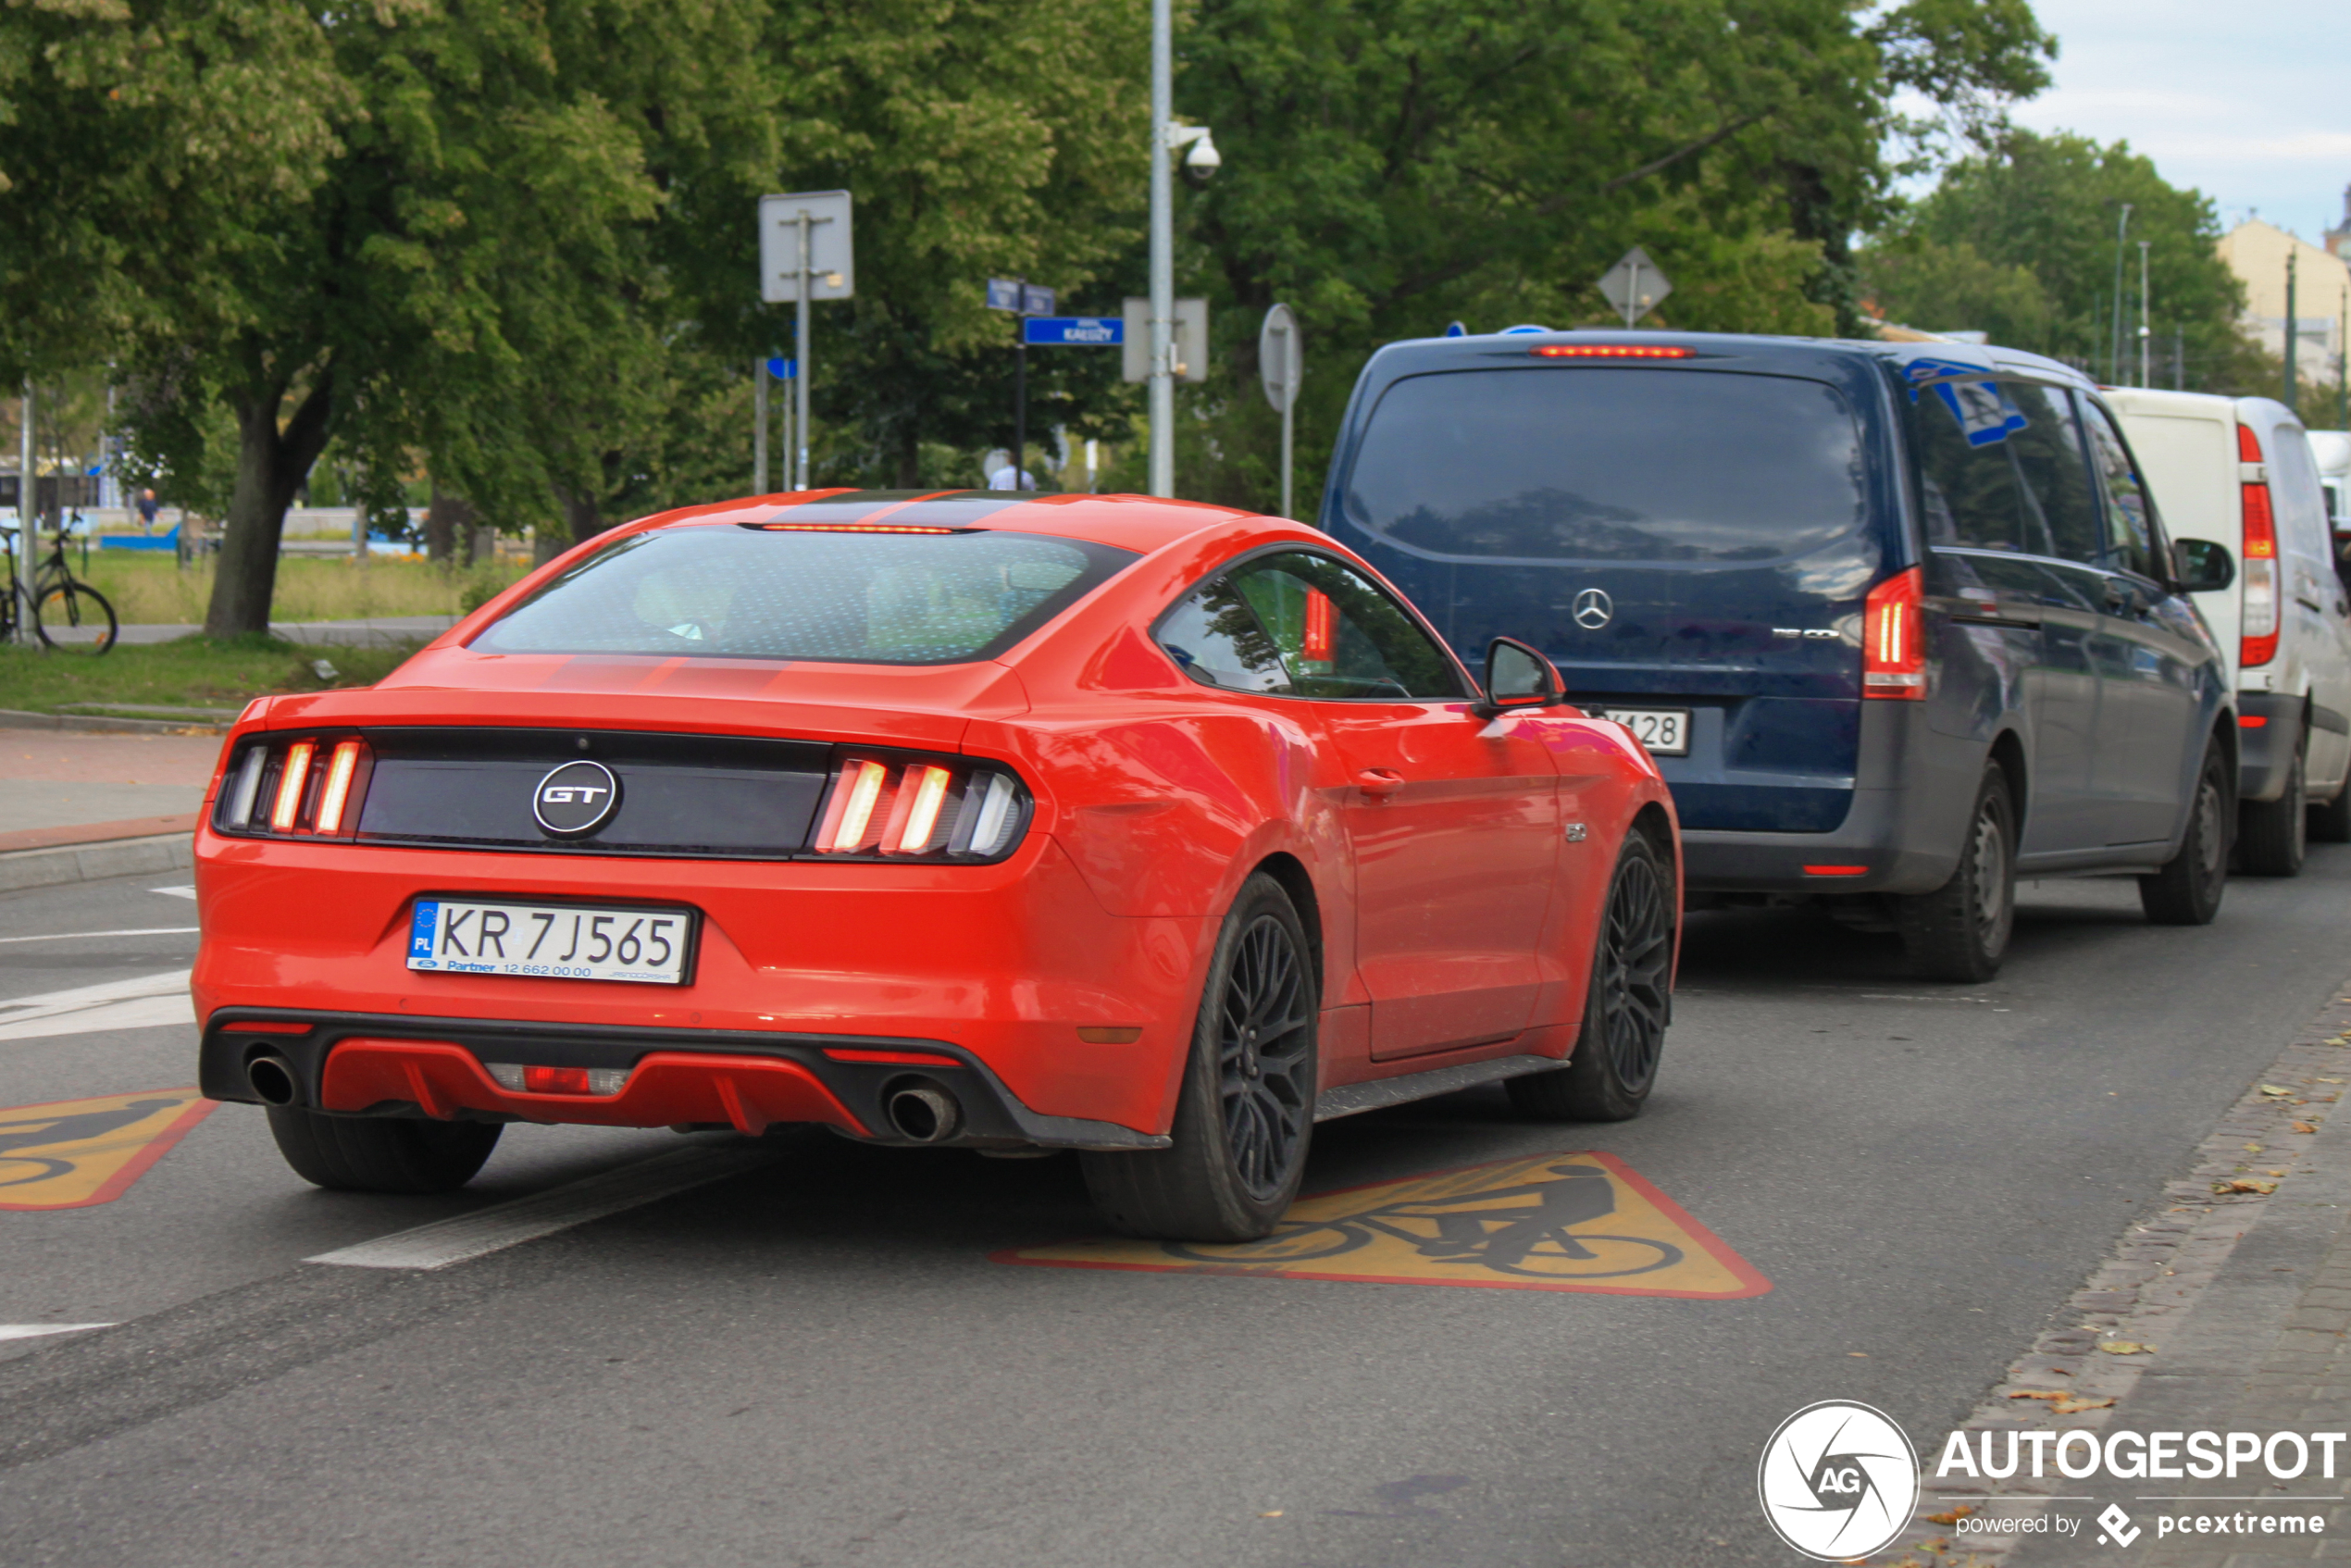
(1961, 931)
(2187, 891)
(1629, 1002)
(1245, 1116)
(2273, 837)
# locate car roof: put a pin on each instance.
(1139, 523)
(1934, 361)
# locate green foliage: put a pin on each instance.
(1391, 165)
(2020, 241)
(195, 672)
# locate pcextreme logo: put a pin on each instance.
(1838, 1480)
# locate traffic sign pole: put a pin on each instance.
(758, 425)
(1161, 376)
(800, 352)
(1281, 366)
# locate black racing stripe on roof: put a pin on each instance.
(952, 509)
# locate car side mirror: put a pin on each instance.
(1518, 675)
(2202, 565)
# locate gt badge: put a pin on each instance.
(575, 799)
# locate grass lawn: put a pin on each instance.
(190, 673)
(150, 589)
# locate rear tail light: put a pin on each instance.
(1893, 651)
(920, 808)
(1608, 350)
(1322, 626)
(308, 786)
(2257, 624)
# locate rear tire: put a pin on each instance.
(380, 1155)
(1961, 931)
(1615, 1063)
(2274, 836)
(76, 605)
(2187, 890)
(1245, 1114)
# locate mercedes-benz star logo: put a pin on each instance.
(1594, 608)
(575, 799)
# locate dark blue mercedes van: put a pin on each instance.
(1897, 621)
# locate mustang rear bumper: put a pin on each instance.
(359, 1063)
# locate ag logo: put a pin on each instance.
(1839, 1481)
(575, 799)
(1594, 608)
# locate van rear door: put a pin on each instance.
(1691, 543)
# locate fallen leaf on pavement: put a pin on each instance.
(1953, 1516)
(2304, 1127)
(2244, 1184)
(2273, 1089)
(2076, 1405)
(2252, 1149)
(2126, 1348)
(2334, 1080)
(2039, 1393)
(1277, 1513)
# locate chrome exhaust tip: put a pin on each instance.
(272, 1080)
(924, 1113)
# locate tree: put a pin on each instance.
(2019, 242)
(1390, 165)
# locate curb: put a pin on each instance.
(15, 718)
(21, 869)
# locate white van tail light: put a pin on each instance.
(920, 808)
(2257, 641)
(302, 786)
(1893, 649)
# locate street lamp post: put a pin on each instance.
(2114, 359)
(2146, 347)
(1162, 382)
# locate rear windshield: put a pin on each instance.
(1614, 464)
(748, 592)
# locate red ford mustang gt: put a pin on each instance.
(1149, 829)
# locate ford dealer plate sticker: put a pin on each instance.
(570, 941)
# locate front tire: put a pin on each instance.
(2274, 836)
(1961, 931)
(380, 1155)
(1615, 1063)
(79, 607)
(1245, 1113)
(2187, 891)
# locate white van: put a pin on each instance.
(2240, 470)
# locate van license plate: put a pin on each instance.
(566, 941)
(1665, 731)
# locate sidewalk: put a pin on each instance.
(2229, 1310)
(75, 805)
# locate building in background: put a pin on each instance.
(2256, 252)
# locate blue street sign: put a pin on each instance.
(783, 369)
(1075, 331)
(1021, 299)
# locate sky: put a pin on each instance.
(2249, 101)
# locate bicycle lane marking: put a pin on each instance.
(1580, 1222)
(76, 1153)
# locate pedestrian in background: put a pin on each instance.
(147, 509)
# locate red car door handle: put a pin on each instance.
(1380, 781)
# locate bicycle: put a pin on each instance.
(84, 623)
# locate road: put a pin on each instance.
(818, 1361)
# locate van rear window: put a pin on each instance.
(1608, 464)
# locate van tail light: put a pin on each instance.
(1322, 626)
(1893, 649)
(920, 808)
(308, 786)
(2257, 623)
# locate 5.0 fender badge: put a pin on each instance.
(575, 799)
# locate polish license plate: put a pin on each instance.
(558, 942)
(1665, 731)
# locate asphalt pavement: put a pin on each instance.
(822, 1360)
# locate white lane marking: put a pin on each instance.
(175, 892)
(147, 1001)
(526, 1219)
(135, 931)
(35, 1330)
